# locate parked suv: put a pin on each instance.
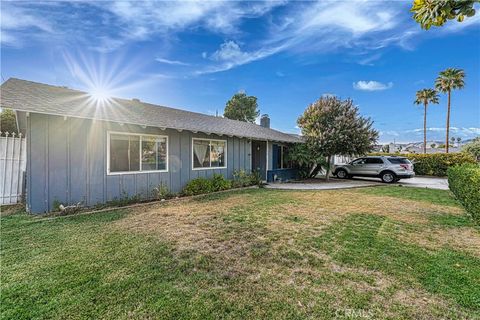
(389, 169)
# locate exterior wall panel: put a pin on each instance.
(67, 161)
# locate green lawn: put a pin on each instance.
(378, 253)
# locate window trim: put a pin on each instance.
(109, 133)
(210, 141)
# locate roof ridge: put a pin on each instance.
(32, 96)
(143, 102)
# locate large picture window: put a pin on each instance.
(137, 153)
(209, 154)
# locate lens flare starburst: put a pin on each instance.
(100, 95)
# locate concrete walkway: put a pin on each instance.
(320, 184)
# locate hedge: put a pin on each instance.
(464, 182)
(435, 164)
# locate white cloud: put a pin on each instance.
(230, 55)
(368, 61)
(462, 131)
(229, 51)
(17, 20)
(301, 27)
(372, 85)
(172, 62)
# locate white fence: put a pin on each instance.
(342, 159)
(13, 162)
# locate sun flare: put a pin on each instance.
(100, 94)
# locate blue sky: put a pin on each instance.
(196, 55)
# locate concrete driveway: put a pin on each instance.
(426, 182)
(321, 184)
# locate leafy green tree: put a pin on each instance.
(335, 127)
(426, 96)
(242, 107)
(459, 140)
(448, 80)
(433, 145)
(473, 148)
(8, 121)
(437, 12)
(307, 159)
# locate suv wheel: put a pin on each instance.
(388, 177)
(342, 174)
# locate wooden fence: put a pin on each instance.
(13, 162)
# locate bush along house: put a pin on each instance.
(81, 149)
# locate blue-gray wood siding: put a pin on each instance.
(67, 162)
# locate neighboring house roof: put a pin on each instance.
(28, 96)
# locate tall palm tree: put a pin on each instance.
(426, 96)
(448, 80)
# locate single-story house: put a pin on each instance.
(93, 151)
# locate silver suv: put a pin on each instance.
(389, 169)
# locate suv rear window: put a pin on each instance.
(398, 160)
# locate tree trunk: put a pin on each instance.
(327, 176)
(425, 129)
(314, 171)
(448, 122)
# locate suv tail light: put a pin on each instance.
(405, 166)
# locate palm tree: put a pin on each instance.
(448, 80)
(426, 96)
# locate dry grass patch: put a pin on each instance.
(262, 237)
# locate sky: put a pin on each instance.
(195, 55)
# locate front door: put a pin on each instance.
(259, 158)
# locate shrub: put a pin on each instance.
(464, 182)
(435, 164)
(256, 179)
(162, 192)
(219, 183)
(473, 148)
(198, 186)
(242, 178)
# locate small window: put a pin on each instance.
(209, 154)
(374, 161)
(136, 153)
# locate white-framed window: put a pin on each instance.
(209, 154)
(135, 153)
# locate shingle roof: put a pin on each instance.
(36, 97)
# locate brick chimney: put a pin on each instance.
(265, 121)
